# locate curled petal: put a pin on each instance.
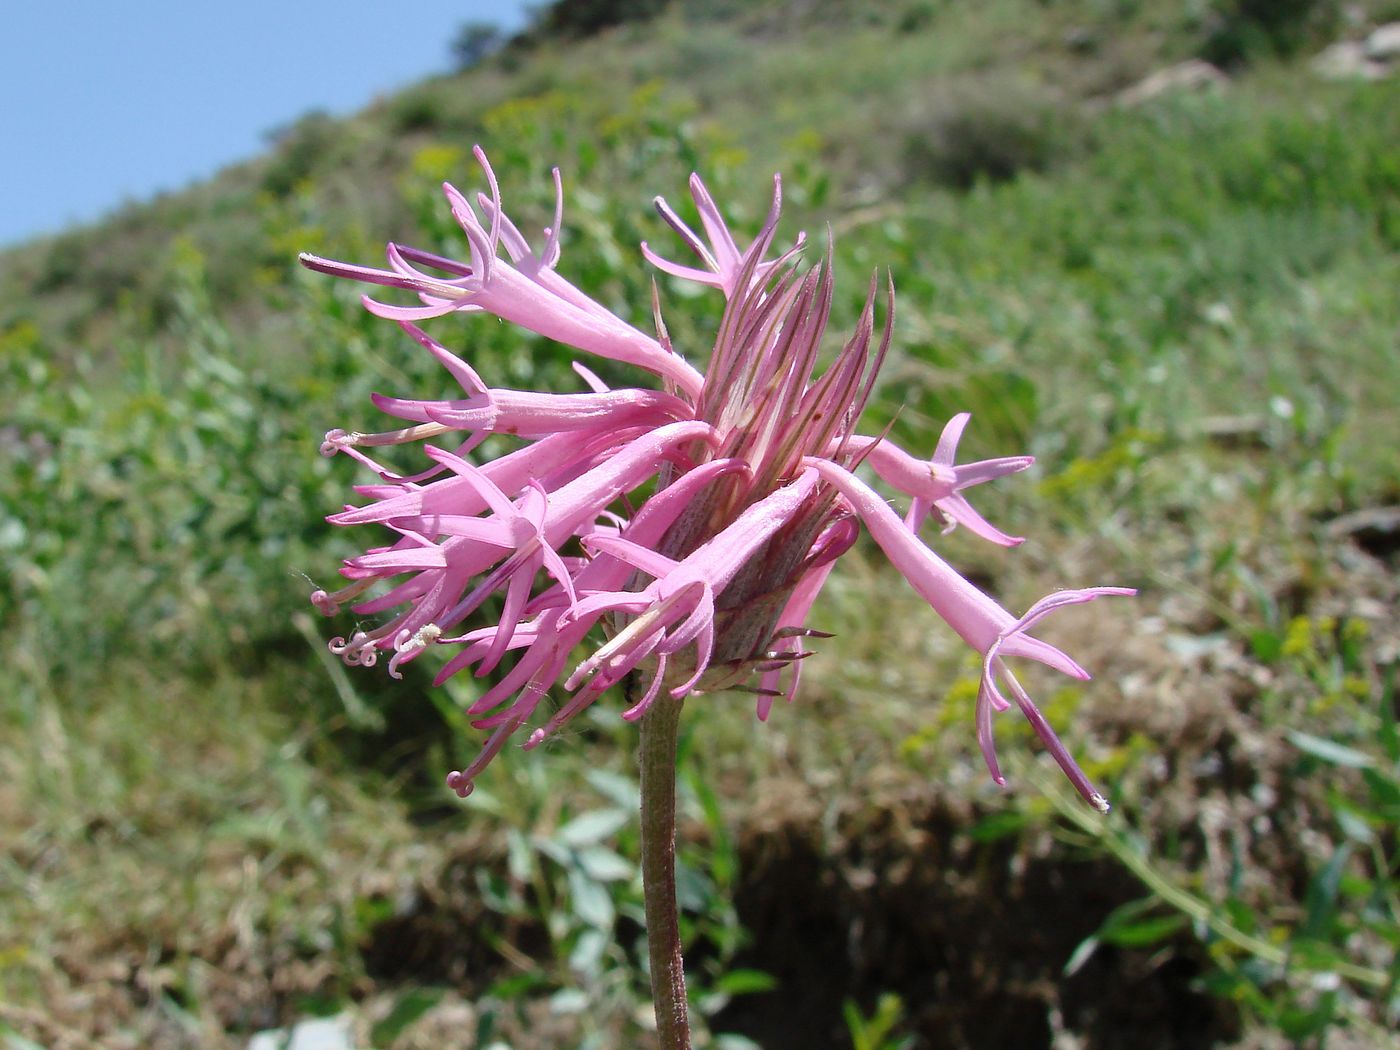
(937, 483)
(990, 698)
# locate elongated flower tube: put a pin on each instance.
(677, 535)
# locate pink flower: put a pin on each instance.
(706, 583)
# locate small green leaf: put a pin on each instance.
(618, 789)
(1321, 894)
(603, 865)
(555, 851)
(1330, 750)
(1353, 826)
(1266, 645)
(590, 899)
(592, 828)
(745, 982)
(517, 986)
(998, 826)
(15, 1041)
(1389, 733)
(568, 1001)
(1082, 953)
(1385, 794)
(694, 891)
(1143, 933)
(1129, 925)
(735, 1042)
(410, 1007)
(1241, 915)
(588, 952)
(519, 857)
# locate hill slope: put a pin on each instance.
(1185, 309)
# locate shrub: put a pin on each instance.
(63, 263)
(420, 110)
(475, 42)
(1239, 31)
(300, 148)
(580, 18)
(992, 131)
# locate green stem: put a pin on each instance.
(1188, 903)
(659, 730)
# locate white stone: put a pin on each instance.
(1346, 60)
(1383, 45)
(1192, 75)
(323, 1033)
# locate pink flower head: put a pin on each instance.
(741, 481)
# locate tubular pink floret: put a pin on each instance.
(457, 368)
(981, 622)
(684, 595)
(539, 300)
(724, 262)
(726, 252)
(463, 781)
(976, 618)
(937, 483)
(550, 641)
(834, 542)
(989, 697)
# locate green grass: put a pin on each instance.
(1185, 310)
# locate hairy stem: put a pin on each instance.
(659, 728)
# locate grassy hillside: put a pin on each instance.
(1185, 309)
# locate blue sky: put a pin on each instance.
(106, 102)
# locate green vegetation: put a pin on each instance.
(1185, 309)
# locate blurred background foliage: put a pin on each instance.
(1184, 307)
